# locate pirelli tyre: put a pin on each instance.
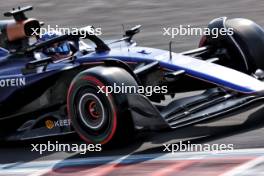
(243, 41)
(97, 115)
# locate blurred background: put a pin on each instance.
(240, 130)
(153, 15)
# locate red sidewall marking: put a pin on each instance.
(109, 97)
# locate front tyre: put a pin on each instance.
(96, 116)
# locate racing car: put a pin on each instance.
(41, 97)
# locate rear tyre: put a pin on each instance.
(96, 116)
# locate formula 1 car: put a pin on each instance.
(40, 97)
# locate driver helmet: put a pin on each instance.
(58, 50)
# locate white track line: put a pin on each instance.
(238, 171)
(36, 168)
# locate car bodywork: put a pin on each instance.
(33, 92)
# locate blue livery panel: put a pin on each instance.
(200, 69)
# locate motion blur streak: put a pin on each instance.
(153, 15)
(238, 162)
(172, 168)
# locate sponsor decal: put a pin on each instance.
(58, 123)
(13, 82)
(49, 124)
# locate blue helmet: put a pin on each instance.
(62, 48)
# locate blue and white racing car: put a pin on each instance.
(45, 96)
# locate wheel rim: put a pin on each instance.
(91, 111)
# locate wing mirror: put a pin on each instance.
(131, 32)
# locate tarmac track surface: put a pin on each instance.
(244, 130)
(234, 163)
